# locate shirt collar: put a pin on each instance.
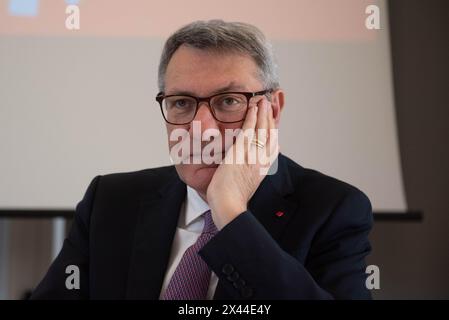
(195, 206)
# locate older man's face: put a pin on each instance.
(204, 73)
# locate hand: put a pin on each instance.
(233, 184)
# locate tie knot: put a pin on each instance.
(209, 226)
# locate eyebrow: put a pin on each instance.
(232, 86)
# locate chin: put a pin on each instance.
(196, 176)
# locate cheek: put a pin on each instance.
(183, 172)
(232, 126)
(175, 137)
(229, 126)
(169, 130)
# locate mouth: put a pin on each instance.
(213, 156)
(209, 167)
(199, 158)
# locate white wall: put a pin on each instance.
(75, 107)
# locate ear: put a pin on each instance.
(277, 103)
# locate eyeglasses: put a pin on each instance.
(226, 107)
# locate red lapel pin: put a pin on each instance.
(279, 214)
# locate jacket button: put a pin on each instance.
(239, 283)
(246, 292)
(227, 269)
(234, 276)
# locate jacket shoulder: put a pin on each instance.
(314, 187)
(134, 184)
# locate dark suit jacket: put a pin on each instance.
(123, 229)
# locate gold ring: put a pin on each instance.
(258, 144)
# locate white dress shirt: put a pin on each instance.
(190, 226)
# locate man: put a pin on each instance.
(220, 229)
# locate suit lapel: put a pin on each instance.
(270, 204)
(155, 230)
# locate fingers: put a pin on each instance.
(251, 118)
(271, 123)
(245, 136)
(273, 143)
(262, 121)
(250, 123)
(269, 154)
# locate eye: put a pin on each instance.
(181, 103)
(230, 101)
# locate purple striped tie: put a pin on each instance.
(190, 281)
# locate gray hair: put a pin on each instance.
(221, 36)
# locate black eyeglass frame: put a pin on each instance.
(161, 96)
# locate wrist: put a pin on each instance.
(224, 214)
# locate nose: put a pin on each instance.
(204, 114)
(214, 128)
